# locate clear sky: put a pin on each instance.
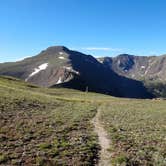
(97, 27)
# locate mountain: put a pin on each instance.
(138, 67)
(151, 70)
(60, 67)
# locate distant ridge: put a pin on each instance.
(138, 67)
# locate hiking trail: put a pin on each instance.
(105, 155)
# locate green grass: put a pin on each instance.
(44, 127)
(137, 129)
(41, 126)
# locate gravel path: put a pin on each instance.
(104, 142)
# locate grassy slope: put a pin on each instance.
(52, 126)
(41, 126)
(137, 129)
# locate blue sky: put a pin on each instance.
(97, 27)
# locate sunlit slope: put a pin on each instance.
(53, 126)
(137, 130)
(41, 126)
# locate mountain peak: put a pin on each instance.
(57, 66)
(125, 55)
(57, 48)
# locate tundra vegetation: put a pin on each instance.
(44, 126)
(137, 130)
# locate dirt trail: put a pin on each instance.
(104, 142)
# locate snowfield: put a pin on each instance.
(59, 81)
(61, 57)
(37, 70)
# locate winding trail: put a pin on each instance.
(105, 155)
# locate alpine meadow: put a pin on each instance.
(82, 83)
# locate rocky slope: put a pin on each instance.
(150, 70)
(59, 66)
(138, 67)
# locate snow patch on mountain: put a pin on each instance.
(61, 57)
(59, 80)
(71, 70)
(67, 68)
(61, 53)
(99, 60)
(37, 70)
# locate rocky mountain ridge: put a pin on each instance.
(59, 66)
(150, 68)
